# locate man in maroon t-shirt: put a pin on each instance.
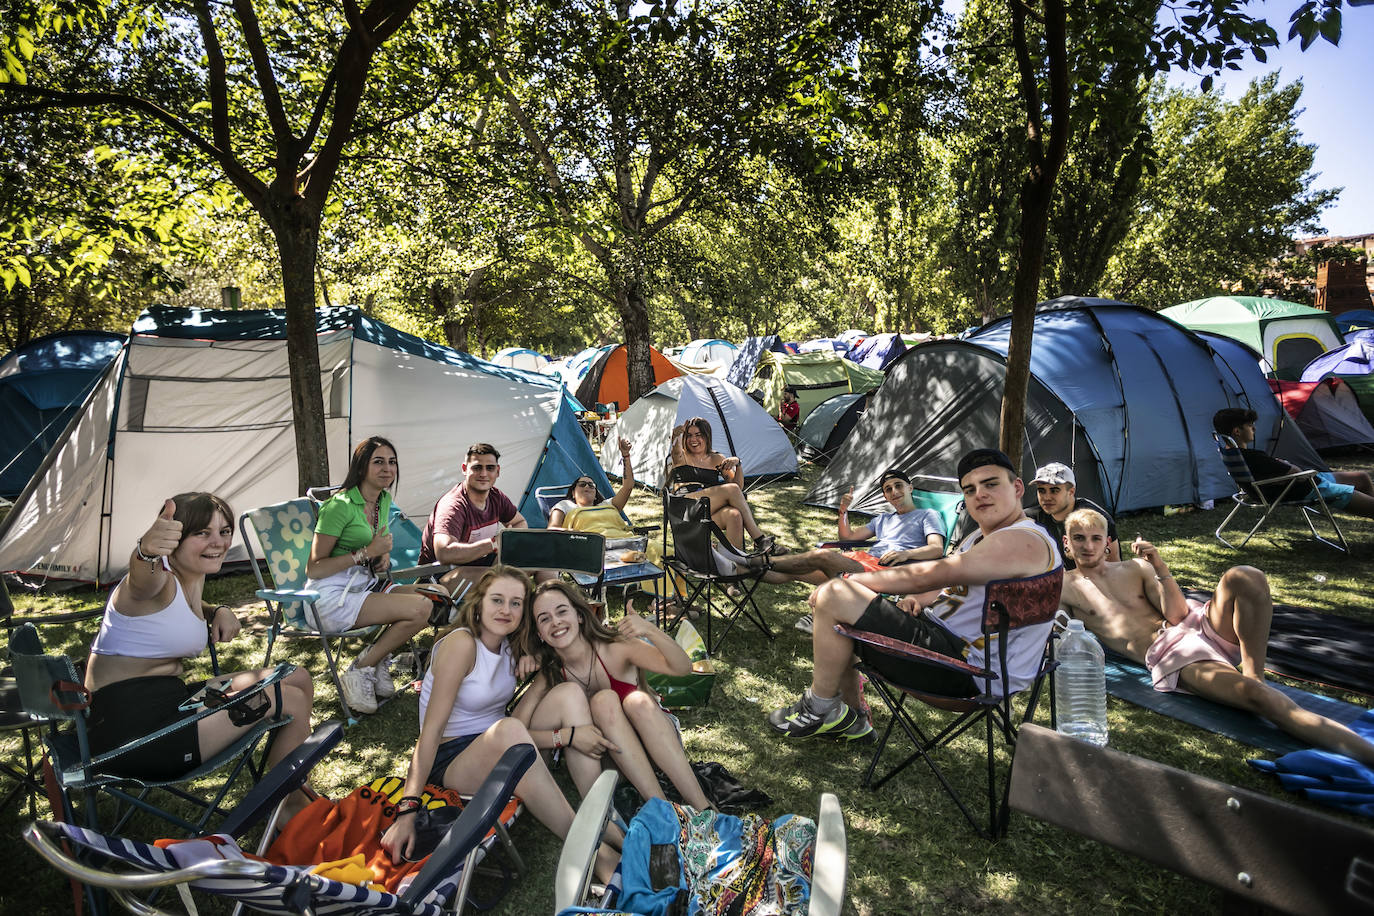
(466, 522)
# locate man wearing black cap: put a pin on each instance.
(943, 613)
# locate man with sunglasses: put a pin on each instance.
(466, 523)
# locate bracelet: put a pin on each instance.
(138, 549)
(218, 608)
(401, 814)
(1159, 578)
(359, 556)
(557, 739)
(572, 730)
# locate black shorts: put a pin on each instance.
(885, 618)
(448, 751)
(130, 709)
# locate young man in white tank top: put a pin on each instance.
(942, 612)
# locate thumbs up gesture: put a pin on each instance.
(164, 535)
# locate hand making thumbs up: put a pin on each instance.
(164, 535)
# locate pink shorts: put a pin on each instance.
(1187, 642)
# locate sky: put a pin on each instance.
(1338, 103)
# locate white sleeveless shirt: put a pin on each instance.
(483, 695)
(959, 609)
(176, 631)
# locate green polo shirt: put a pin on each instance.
(343, 516)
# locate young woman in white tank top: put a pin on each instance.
(463, 726)
(155, 619)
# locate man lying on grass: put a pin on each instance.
(1007, 546)
(1137, 609)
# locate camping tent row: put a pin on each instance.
(1122, 395)
(200, 400)
(1286, 335)
(739, 427)
(41, 385)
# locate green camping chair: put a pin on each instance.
(284, 532)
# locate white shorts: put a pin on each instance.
(342, 596)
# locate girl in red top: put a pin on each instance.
(572, 645)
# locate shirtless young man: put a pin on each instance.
(1137, 609)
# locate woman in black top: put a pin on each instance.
(698, 469)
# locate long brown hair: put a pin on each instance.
(703, 426)
(470, 613)
(195, 511)
(592, 629)
(362, 456)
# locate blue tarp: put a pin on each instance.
(878, 351)
(41, 386)
(741, 371)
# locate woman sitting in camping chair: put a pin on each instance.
(700, 471)
(352, 544)
(583, 508)
(154, 620)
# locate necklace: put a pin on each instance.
(587, 681)
(371, 508)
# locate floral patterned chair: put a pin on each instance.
(283, 532)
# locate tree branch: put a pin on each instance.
(288, 151)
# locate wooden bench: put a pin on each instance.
(1261, 852)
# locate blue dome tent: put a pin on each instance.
(1124, 396)
(42, 385)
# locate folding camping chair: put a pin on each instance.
(446, 875)
(1009, 605)
(573, 880)
(27, 775)
(50, 689)
(614, 574)
(575, 552)
(704, 557)
(1299, 491)
(284, 532)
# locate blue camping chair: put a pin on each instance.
(614, 573)
(50, 690)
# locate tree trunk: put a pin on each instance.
(1035, 217)
(297, 235)
(634, 314)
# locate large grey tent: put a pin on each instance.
(1123, 395)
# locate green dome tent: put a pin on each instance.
(816, 376)
(1287, 336)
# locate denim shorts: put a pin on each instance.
(448, 751)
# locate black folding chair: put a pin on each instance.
(704, 557)
(1291, 491)
(1010, 605)
(50, 689)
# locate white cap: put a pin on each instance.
(1053, 473)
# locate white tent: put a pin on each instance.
(708, 353)
(520, 358)
(739, 427)
(200, 400)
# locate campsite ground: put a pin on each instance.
(909, 851)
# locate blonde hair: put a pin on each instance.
(1080, 519)
(470, 614)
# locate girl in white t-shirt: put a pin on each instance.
(464, 728)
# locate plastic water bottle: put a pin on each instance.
(1080, 686)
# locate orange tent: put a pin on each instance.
(608, 379)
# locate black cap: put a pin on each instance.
(982, 457)
(894, 472)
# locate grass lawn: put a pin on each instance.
(909, 850)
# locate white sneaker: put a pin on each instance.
(383, 686)
(806, 623)
(359, 690)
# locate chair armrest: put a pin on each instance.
(1296, 475)
(289, 774)
(645, 529)
(422, 571)
(578, 857)
(292, 595)
(852, 544)
(830, 863)
(191, 718)
(896, 647)
(472, 825)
